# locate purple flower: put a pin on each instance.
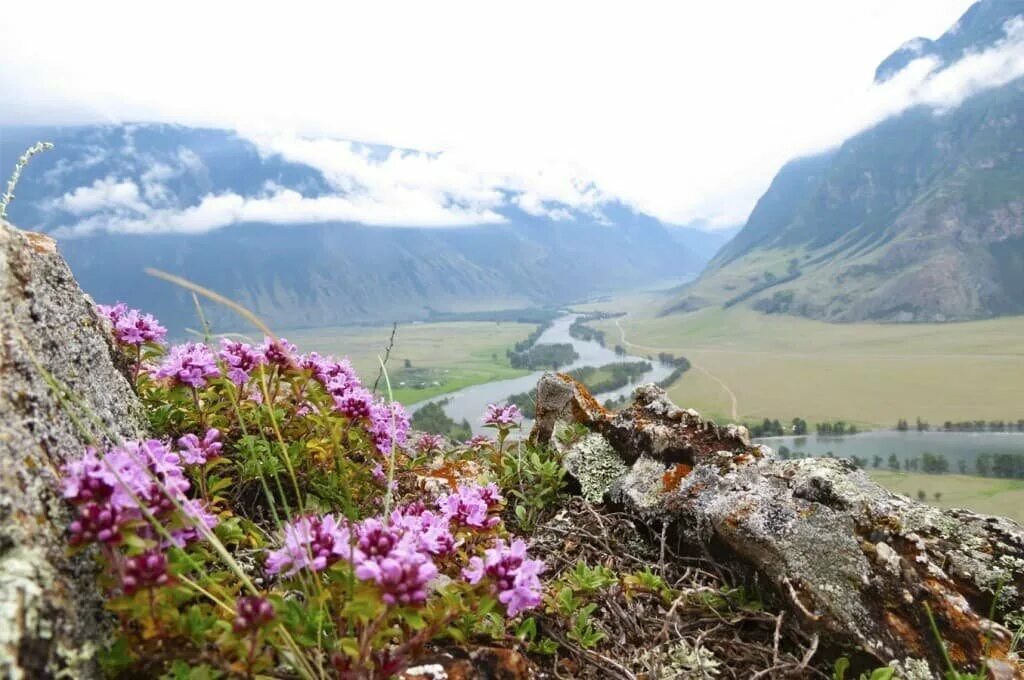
(514, 578)
(197, 513)
(429, 442)
(252, 613)
(337, 377)
(241, 359)
(279, 352)
(132, 327)
(147, 570)
(189, 364)
(86, 479)
(96, 522)
(389, 426)
(428, 528)
(312, 542)
(392, 559)
(470, 506)
(502, 417)
(196, 452)
(355, 404)
(479, 443)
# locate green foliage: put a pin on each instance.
(432, 418)
(534, 478)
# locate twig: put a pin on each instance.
(387, 355)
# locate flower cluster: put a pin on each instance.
(195, 451)
(429, 443)
(312, 542)
(502, 417)
(132, 327)
(124, 485)
(471, 505)
(514, 578)
(252, 613)
(190, 364)
(240, 360)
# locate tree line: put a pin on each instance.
(963, 426)
(1001, 465)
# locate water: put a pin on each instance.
(470, 403)
(955, 446)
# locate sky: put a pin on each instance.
(683, 110)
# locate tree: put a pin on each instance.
(799, 427)
(407, 363)
(922, 495)
(894, 462)
(902, 425)
(937, 496)
(876, 462)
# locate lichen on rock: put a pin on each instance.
(50, 608)
(865, 568)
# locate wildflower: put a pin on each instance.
(355, 404)
(428, 443)
(430, 529)
(86, 479)
(502, 417)
(312, 542)
(279, 352)
(252, 613)
(479, 443)
(96, 522)
(241, 359)
(392, 559)
(389, 425)
(147, 570)
(513, 577)
(471, 504)
(198, 514)
(131, 326)
(337, 377)
(196, 452)
(189, 364)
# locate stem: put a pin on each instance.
(199, 408)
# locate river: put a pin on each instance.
(955, 446)
(470, 403)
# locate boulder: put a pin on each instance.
(858, 567)
(60, 389)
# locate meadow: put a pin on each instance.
(452, 354)
(749, 366)
(981, 494)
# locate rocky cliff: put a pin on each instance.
(59, 390)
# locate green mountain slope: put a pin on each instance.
(918, 218)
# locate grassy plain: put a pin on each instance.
(982, 494)
(870, 374)
(454, 354)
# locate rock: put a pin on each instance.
(50, 608)
(479, 663)
(855, 564)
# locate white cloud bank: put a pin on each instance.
(677, 109)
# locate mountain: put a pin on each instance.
(699, 237)
(919, 218)
(218, 209)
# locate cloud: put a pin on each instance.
(106, 194)
(681, 110)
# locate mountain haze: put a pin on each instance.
(192, 202)
(919, 218)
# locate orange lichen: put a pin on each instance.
(674, 475)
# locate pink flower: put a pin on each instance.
(189, 364)
(389, 425)
(312, 542)
(513, 577)
(279, 352)
(241, 359)
(196, 452)
(252, 613)
(132, 327)
(392, 558)
(428, 443)
(471, 504)
(502, 417)
(147, 570)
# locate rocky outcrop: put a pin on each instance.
(858, 567)
(59, 390)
